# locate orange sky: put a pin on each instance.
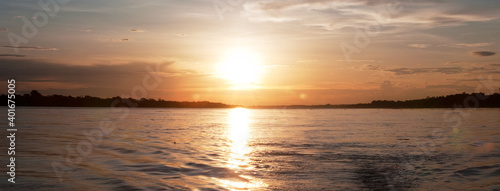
(256, 52)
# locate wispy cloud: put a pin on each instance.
(357, 61)
(12, 55)
(449, 86)
(114, 40)
(31, 48)
(482, 53)
(337, 14)
(386, 86)
(443, 70)
(453, 62)
(78, 30)
(92, 75)
(137, 30)
(370, 67)
(419, 45)
(103, 79)
(475, 44)
(474, 80)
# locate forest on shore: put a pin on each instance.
(37, 99)
(463, 100)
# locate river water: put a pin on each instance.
(255, 149)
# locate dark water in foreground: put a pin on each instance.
(240, 149)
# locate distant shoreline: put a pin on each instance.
(464, 100)
(246, 107)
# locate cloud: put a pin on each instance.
(474, 80)
(339, 14)
(31, 48)
(268, 5)
(450, 86)
(78, 30)
(475, 69)
(273, 5)
(12, 55)
(114, 40)
(121, 76)
(105, 80)
(386, 86)
(419, 45)
(475, 44)
(407, 71)
(452, 19)
(357, 61)
(29, 69)
(371, 67)
(452, 70)
(453, 62)
(482, 53)
(137, 30)
(442, 70)
(287, 11)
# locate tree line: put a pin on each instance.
(37, 99)
(463, 100)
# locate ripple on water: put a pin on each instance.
(478, 172)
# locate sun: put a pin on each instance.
(241, 67)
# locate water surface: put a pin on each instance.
(245, 149)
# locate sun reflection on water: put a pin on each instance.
(239, 132)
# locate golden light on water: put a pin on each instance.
(239, 132)
(249, 183)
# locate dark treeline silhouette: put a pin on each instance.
(462, 100)
(37, 99)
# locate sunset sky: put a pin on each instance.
(255, 52)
